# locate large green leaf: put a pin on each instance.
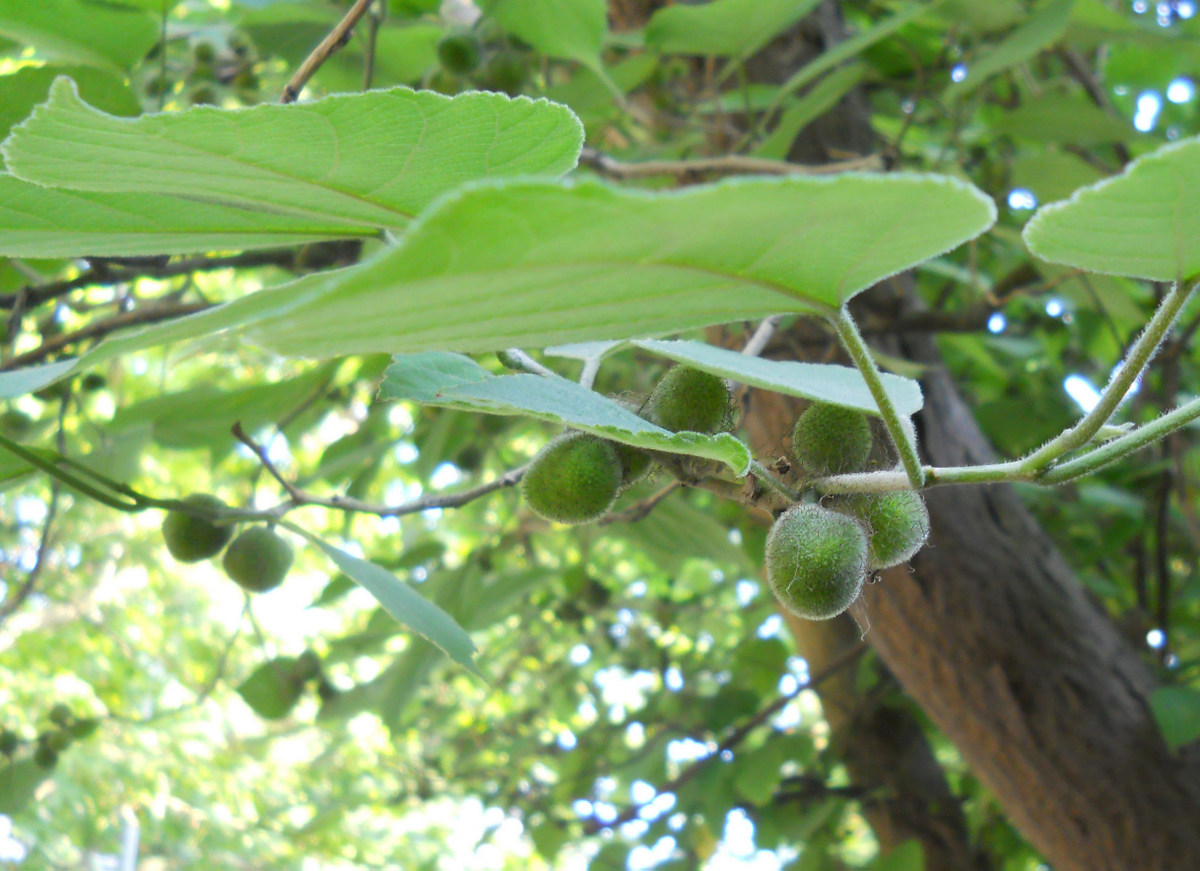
(1144, 223)
(79, 32)
(532, 264)
(572, 29)
(403, 603)
(723, 27)
(368, 160)
(37, 221)
(454, 381)
(839, 385)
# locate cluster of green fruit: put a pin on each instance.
(64, 729)
(258, 559)
(818, 557)
(577, 477)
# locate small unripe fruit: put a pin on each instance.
(9, 742)
(258, 559)
(60, 715)
(816, 561)
(204, 52)
(898, 524)
(505, 71)
(688, 400)
(45, 757)
(459, 53)
(57, 740)
(203, 96)
(831, 440)
(191, 539)
(575, 478)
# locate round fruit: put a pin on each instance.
(831, 440)
(816, 561)
(689, 400)
(575, 478)
(9, 742)
(505, 71)
(258, 559)
(459, 53)
(898, 524)
(191, 539)
(60, 715)
(45, 757)
(204, 52)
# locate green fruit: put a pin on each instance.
(60, 715)
(9, 742)
(191, 539)
(258, 559)
(688, 400)
(16, 423)
(204, 53)
(831, 440)
(459, 53)
(203, 96)
(506, 72)
(158, 85)
(635, 463)
(816, 561)
(307, 666)
(898, 524)
(575, 478)
(45, 757)
(93, 381)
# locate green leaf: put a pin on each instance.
(37, 221)
(852, 47)
(1144, 223)
(366, 160)
(453, 381)
(1177, 712)
(21, 381)
(18, 783)
(271, 690)
(816, 102)
(403, 603)
(27, 87)
(723, 27)
(1052, 175)
(88, 33)
(529, 264)
(1058, 118)
(839, 385)
(1042, 29)
(572, 29)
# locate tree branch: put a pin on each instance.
(336, 38)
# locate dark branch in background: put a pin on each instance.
(336, 38)
(736, 737)
(729, 164)
(299, 497)
(101, 328)
(13, 602)
(102, 274)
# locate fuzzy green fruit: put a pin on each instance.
(831, 440)
(575, 478)
(688, 400)
(816, 561)
(459, 53)
(258, 559)
(898, 524)
(191, 539)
